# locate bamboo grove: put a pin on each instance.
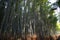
(22, 17)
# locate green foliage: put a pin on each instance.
(58, 2)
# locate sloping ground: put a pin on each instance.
(29, 37)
